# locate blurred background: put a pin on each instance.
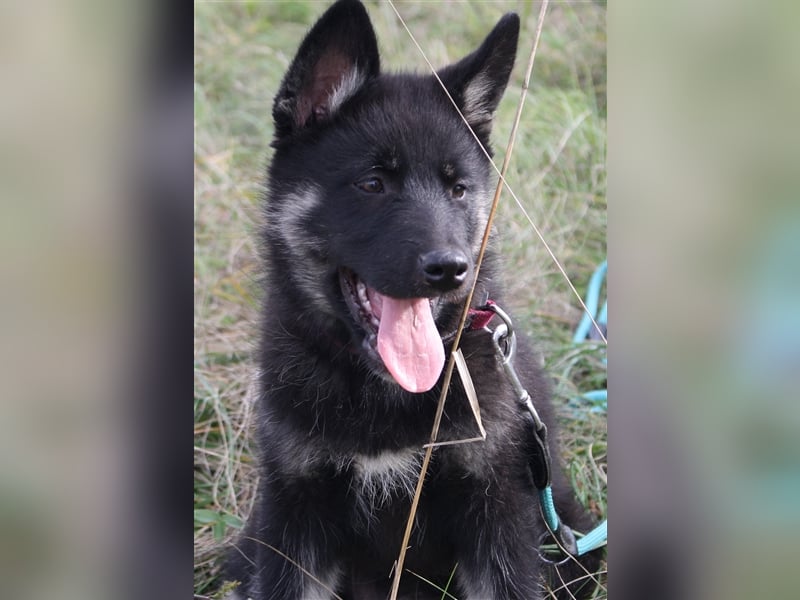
(96, 183)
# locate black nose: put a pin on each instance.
(444, 270)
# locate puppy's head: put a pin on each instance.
(379, 186)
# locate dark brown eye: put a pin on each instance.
(459, 191)
(373, 185)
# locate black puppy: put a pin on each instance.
(378, 195)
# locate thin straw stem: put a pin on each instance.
(398, 571)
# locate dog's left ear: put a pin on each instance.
(477, 82)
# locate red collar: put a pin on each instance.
(479, 317)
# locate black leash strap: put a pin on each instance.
(536, 449)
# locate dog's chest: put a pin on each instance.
(376, 479)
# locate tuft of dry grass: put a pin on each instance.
(558, 172)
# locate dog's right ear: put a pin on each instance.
(337, 57)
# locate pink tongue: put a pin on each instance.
(409, 343)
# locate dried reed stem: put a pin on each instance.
(398, 571)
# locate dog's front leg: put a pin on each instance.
(298, 541)
(497, 548)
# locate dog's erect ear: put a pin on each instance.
(335, 60)
(477, 82)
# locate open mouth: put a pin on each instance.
(357, 296)
(399, 333)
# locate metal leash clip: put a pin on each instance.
(537, 451)
(505, 344)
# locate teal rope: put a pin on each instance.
(592, 301)
(599, 398)
(598, 536)
(594, 539)
(602, 318)
(549, 508)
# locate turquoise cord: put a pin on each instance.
(592, 302)
(594, 539)
(549, 508)
(598, 536)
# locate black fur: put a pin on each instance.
(367, 184)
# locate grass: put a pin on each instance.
(558, 172)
